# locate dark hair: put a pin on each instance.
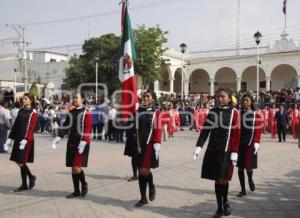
(151, 93)
(32, 99)
(229, 92)
(248, 95)
(17, 104)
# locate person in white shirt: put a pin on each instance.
(4, 125)
(111, 129)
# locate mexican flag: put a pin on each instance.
(284, 6)
(126, 69)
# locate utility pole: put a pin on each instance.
(22, 49)
(238, 28)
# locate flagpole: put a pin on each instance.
(285, 22)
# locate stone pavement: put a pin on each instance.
(180, 191)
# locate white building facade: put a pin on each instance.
(41, 66)
(205, 72)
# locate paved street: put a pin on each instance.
(180, 191)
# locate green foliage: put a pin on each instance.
(149, 45)
(83, 68)
(150, 48)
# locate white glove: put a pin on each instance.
(22, 144)
(196, 153)
(56, 141)
(157, 149)
(234, 158)
(7, 143)
(81, 146)
(256, 148)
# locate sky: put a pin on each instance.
(201, 24)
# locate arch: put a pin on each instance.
(245, 67)
(164, 82)
(285, 63)
(177, 82)
(225, 77)
(283, 76)
(249, 79)
(199, 81)
(225, 66)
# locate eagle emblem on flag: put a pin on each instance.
(127, 63)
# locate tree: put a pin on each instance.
(82, 69)
(150, 48)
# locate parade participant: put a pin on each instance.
(203, 112)
(22, 134)
(294, 114)
(148, 137)
(272, 122)
(282, 119)
(197, 119)
(265, 113)
(251, 129)
(79, 126)
(172, 124)
(223, 126)
(165, 120)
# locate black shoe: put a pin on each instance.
(132, 179)
(84, 190)
(73, 195)
(279, 141)
(141, 203)
(32, 182)
(21, 188)
(227, 209)
(241, 194)
(218, 213)
(152, 193)
(252, 185)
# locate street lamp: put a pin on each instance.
(15, 85)
(257, 37)
(183, 48)
(96, 95)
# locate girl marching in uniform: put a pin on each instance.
(294, 114)
(223, 125)
(148, 137)
(79, 125)
(252, 126)
(22, 134)
(273, 123)
(265, 113)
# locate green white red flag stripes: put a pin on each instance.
(126, 68)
